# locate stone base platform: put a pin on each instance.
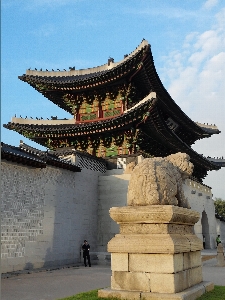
(156, 255)
(191, 293)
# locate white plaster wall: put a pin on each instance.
(46, 215)
(200, 200)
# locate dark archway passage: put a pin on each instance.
(205, 229)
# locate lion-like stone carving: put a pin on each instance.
(158, 181)
(129, 168)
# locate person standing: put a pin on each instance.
(203, 242)
(218, 240)
(86, 255)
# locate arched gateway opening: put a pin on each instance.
(205, 229)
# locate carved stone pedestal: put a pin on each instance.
(156, 255)
(220, 256)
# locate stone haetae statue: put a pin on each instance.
(129, 168)
(158, 181)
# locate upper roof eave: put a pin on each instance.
(89, 72)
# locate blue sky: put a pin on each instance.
(187, 39)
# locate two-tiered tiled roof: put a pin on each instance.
(155, 122)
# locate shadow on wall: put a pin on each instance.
(59, 214)
(49, 261)
(29, 266)
(70, 216)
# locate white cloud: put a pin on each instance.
(210, 4)
(165, 11)
(220, 17)
(196, 81)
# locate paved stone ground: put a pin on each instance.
(211, 272)
(56, 284)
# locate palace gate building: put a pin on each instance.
(120, 112)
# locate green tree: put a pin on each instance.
(220, 207)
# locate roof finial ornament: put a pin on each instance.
(110, 59)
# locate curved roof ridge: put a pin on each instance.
(217, 160)
(101, 68)
(208, 127)
(42, 121)
(151, 95)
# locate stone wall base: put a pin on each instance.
(191, 293)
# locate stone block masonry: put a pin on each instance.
(155, 265)
(22, 208)
(46, 214)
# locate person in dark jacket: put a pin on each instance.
(86, 255)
